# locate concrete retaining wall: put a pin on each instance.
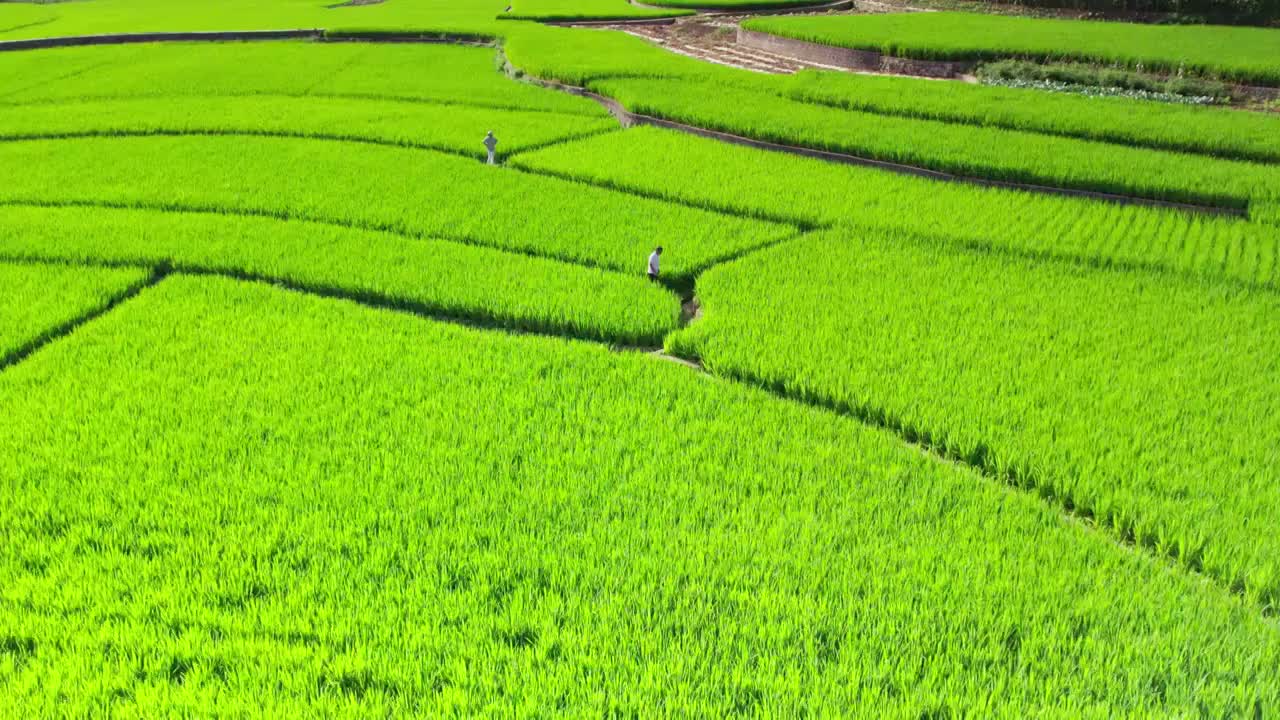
(864, 60)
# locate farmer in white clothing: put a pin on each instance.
(490, 144)
(653, 263)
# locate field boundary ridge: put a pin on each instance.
(630, 119)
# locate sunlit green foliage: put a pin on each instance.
(1238, 53)
(37, 299)
(228, 499)
(1145, 401)
(475, 283)
(774, 185)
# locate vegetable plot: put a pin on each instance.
(227, 498)
(1143, 401)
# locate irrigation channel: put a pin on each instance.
(872, 417)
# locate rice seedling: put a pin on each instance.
(228, 498)
(38, 299)
(441, 74)
(981, 152)
(776, 186)
(1143, 401)
(472, 283)
(449, 128)
(411, 192)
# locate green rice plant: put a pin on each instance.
(445, 74)
(1243, 54)
(225, 498)
(783, 187)
(1142, 401)
(16, 17)
(38, 299)
(981, 152)
(449, 128)
(473, 283)
(410, 192)
(1208, 131)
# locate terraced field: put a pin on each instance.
(311, 412)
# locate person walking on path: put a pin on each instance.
(654, 257)
(491, 144)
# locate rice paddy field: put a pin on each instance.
(310, 411)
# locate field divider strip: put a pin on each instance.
(478, 319)
(284, 217)
(885, 421)
(566, 140)
(157, 273)
(218, 132)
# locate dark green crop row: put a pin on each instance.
(1244, 54)
(1144, 401)
(228, 499)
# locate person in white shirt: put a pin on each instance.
(653, 263)
(490, 144)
